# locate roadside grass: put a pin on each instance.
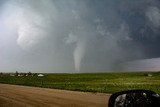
(91, 82)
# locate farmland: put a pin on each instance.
(90, 82)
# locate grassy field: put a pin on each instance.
(91, 82)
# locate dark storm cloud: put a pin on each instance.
(143, 30)
(84, 35)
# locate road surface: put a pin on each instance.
(24, 96)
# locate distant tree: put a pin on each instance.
(35, 74)
(24, 74)
(16, 74)
(1, 74)
(29, 73)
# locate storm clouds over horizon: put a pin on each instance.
(77, 35)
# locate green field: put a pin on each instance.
(91, 82)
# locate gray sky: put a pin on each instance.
(77, 35)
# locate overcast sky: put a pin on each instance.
(77, 35)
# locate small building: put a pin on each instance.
(40, 75)
(12, 75)
(149, 75)
(20, 75)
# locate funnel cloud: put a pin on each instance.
(77, 36)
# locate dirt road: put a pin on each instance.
(23, 96)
